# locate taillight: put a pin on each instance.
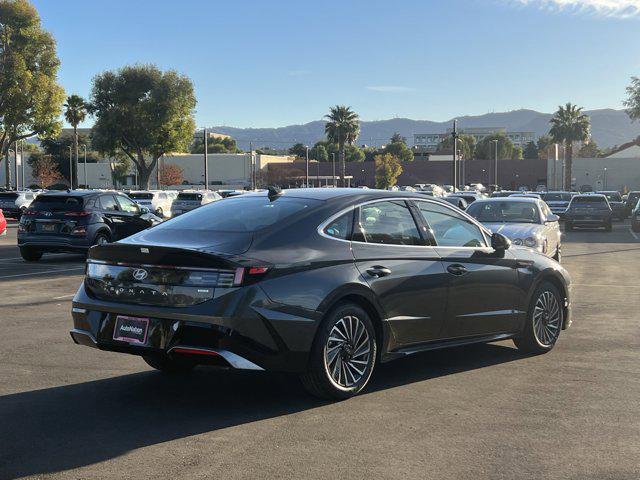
(82, 213)
(249, 275)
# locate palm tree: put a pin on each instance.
(75, 113)
(342, 127)
(569, 125)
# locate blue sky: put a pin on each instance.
(278, 62)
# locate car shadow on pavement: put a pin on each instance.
(61, 428)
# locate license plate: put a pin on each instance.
(131, 329)
(49, 227)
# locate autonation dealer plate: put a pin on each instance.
(131, 329)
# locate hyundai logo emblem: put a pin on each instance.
(140, 274)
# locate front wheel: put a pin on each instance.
(343, 354)
(544, 321)
(30, 254)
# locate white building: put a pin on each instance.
(428, 142)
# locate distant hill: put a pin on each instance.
(609, 127)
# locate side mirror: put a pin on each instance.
(553, 218)
(499, 242)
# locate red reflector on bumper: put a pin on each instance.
(195, 351)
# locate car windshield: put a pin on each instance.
(504, 212)
(556, 197)
(141, 196)
(57, 203)
(239, 214)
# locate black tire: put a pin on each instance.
(558, 256)
(101, 238)
(528, 340)
(318, 381)
(169, 365)
(30, 254)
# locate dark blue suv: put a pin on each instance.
(75, 220)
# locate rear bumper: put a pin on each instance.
(54, 242)
(590, 222)
(242, 327)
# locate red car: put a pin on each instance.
(3, 224)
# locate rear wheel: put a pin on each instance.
(544, 320)
(172, 366)
(101, 239)
(30, 254)
(343, 355)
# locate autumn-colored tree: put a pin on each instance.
(388, 169)
(45, 170)
(171, 174)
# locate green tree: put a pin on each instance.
(215, 145)
(342, 128)
(544, 144)
(589, 150)
(30, 97)
(144, 113)
(632, 101)
(530, 151)
(516, 153)
(466, 144)
(485, 150)
(319, 153)
(299, 150)
(57, 149)
(388, 169)
(398, 148)
(569, 125)
(75, 112)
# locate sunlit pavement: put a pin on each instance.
(467, 413)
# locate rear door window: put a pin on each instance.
(389, 223)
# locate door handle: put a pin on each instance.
(378, 271)
(457, 269)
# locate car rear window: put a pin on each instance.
(556, 197)
(8, 196)
(189, 196)
(57, 203)
(141, 196)
(613, 196)
(590, 200)
(239, 214)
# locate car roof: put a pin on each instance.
(335, 193)
(509, 199)
(74, 193)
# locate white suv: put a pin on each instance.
(157, 201)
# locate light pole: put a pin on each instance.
(206, 157)
(70, 169)
(333, 160)
(85, 166)
(22, 162)
(495, 142)
(605, 178)
(8, 182)
(454, 134)
(306, 178)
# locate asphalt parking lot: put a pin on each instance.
(466, 413)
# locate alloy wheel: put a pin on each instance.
(347, 353)
(547, 317)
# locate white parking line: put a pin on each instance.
(63, 296)
(20, 258)
(635, 235)
(41, 273)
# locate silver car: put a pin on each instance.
(14, 204)
(525, 221)
(158, 202)
(192, 199)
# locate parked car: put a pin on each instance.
(73, 221)
(14, 204)
(503, 193)
(526, 195)
(322, 282)
(557, 201)
(632, 201)
(469, 197)
(3, 223)
(459, 202)
(618, 207)
(589, 211)
(189, 200)
(156, 201)
(635, 218)
(430, 189)
(524, 220)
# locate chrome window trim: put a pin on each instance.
(333, 217)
